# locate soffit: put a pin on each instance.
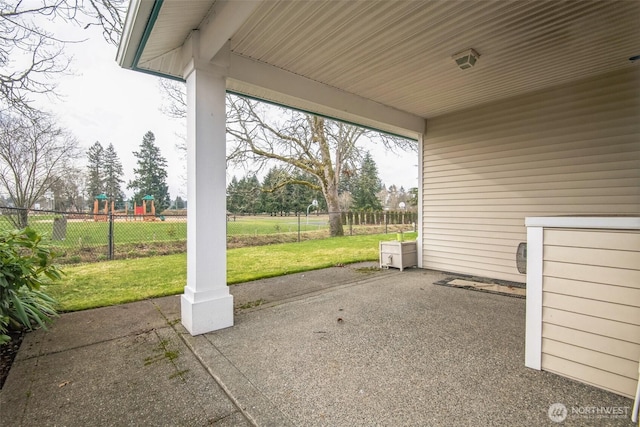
(398, 53)
(173, 25)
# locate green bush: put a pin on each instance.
(25, 266)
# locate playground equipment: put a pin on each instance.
(96, 207)
(102, 213)
(142, 210)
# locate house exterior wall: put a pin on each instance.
(591, 306)
(567, 151)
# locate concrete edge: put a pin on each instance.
(249, 400)
(297, 297)
(254, 405)
(200, 347)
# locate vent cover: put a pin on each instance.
(521, 258)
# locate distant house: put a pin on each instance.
(521, 109)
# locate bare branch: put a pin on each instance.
(31, 57)
(258, 136)
(292, 181)
(34, 156)
(175, 98)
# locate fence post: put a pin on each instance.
(386, 223)
(110, 255)
(298, 215)
(350, 225)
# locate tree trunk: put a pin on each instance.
(23, 218)
(335, 218)
(19, 218)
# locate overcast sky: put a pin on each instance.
(102, 102)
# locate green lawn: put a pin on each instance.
(86, 240)
(83, 233)
(89, 233)
(257, 262)
(255, 225)
(107, 283)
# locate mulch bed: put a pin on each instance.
(8, 354)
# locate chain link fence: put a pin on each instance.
(255, 230)
(86, 237)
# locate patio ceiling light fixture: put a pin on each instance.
(466, 58)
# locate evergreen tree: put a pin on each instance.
(233, 196)
(251, 189)
(244, 196)
(247, 195)
(366, 186)
(95, 176)
(179, 203)
(303, 195)
(151, 174)
(284, 193)
(346, 180)
(275, 197)
(113, 175)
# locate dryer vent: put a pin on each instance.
(521, 258)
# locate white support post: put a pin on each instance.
(420, 220)
(533, 335)
(206, 303)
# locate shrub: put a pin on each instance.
(25, 266)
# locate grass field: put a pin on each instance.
(257, 225)
(107, 283)
(86, 240)
(91, 233)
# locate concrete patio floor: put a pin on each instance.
(341, 347)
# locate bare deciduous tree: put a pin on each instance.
(308, 143)
(175, 97)
(34, 155)
(261, 134)
(31, 56)
(67, 191)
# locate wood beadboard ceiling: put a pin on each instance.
(398, 53)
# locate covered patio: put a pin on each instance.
(342, 346)
(521, 109)
(392, 349)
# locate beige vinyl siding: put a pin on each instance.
(571, 150)
(591, 307)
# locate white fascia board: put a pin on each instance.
(221, 24)
(134, 27)
(601, 222)
(264, 81)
